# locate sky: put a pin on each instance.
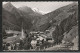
(42, 6)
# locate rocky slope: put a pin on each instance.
(13, 17)
(9, 20)
(66, 23)
(72, 34)
(56, 17)
(34, 16)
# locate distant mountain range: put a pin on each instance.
(63, 19)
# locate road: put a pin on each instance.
(58, 47)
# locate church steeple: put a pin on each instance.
(22, 32)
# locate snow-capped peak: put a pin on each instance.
(35, 9)
(43, 12)
(38, 11)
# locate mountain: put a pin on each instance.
(26, 9)
(13, 10)
(55, 17)
(16, 16)
(34, 15)
(36, 10)
(62, 13)
(10, 8)
(65, 22)
(30, 11)
(9, 20)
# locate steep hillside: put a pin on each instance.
(72, 34)
(13, 10)
(33, 15)
(29, 11)
(13, 16)
(56, 17)
(9, 20)
(65, 25)
(26, 9)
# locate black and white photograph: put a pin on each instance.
(40, 26)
